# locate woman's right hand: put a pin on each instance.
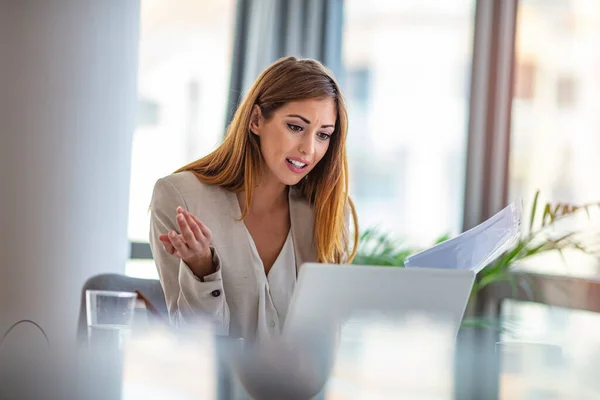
(192, 245)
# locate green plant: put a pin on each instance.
(542, 235)
(377, 247)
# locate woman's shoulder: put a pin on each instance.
(210, 203)
(187, 185)
(182, 180)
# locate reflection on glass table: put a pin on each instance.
(384, 359)
(548, 352)
(374, 358)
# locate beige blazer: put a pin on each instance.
(230, 296)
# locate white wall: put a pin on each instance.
(67, 112)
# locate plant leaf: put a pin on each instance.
(442, 238)
(486, 323)
(535, 250)
(504, 261)
(533, 210)
(381, 249)
(486, 280)
(512, 280)
(587, 212)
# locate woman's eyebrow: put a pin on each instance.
(301, 117)
(308, 121)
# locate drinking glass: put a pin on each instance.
(109, 316)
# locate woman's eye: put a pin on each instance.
(324, 136)
(295, 128)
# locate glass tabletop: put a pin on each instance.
(413, 357)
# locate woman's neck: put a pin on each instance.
(269, 195)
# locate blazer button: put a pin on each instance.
(272, 324)
(215, 293)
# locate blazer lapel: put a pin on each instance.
(302, 223)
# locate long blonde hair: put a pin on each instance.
(235, 164)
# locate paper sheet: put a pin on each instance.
(475, 248)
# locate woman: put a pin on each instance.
(229, 231)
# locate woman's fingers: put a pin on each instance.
(203, 228)
(189, 217)
(167, 245)
(186, 231)
(178, 243)
(169, 248)
(193, 240)
(194, 227)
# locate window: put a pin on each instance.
(555, 135)
(184, 65)
(406, 63)
(566, 91)
(524, 80)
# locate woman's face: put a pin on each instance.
(296, 137)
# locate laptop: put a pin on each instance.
(327, 295)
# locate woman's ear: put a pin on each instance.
(255, 120)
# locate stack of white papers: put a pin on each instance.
(475, 248)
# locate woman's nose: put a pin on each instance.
(307, 145)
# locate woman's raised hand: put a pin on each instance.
(192, 245)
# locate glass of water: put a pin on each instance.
(109, 316)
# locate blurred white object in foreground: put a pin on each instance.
(161, 363)
(382, 358)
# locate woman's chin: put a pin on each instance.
(291, 180)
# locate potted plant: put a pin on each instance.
(543, 234)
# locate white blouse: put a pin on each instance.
(275, 288)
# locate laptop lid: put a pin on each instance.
(328, 294)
